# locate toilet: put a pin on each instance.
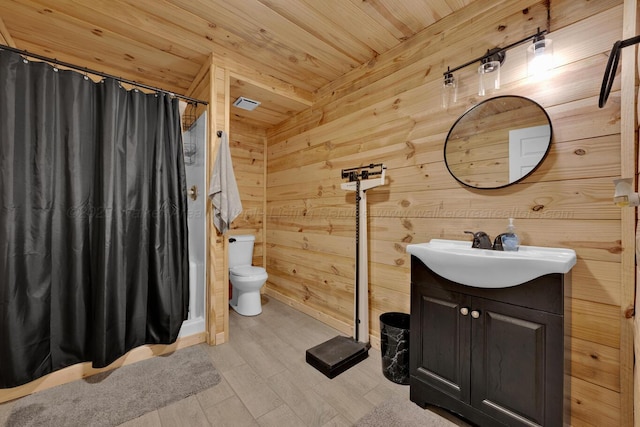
(246, 280)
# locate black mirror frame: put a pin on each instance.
(478, 105)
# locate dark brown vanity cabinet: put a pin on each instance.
(494, 356)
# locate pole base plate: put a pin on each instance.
(336, 355)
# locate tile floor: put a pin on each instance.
(266, 381)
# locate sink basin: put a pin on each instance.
(484, 268)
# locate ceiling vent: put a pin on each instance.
(246, 103)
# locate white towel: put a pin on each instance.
(223, 189)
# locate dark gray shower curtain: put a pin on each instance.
(93, 224)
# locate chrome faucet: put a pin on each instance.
(481, 240)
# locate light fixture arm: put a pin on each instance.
(497, 52)
(612, 66)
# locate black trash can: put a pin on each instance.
(394, 345)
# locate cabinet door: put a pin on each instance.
(440, 340)
(516, 363)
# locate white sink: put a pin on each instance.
(484, 268)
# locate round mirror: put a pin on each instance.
(498, 142)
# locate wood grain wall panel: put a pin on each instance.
(420, 68)
(576, 120)
(331, 22)
(582, 158)
(379, 135)
(336, 286)
(274, 105)
(247, 144)
(593, 321)
(389, 112)
(593, 363)
(474, 19)
(333, 141)
(565, 13)
(544, 200)
(590, 404)
(108, 67)
(105, 46)
(630, 335)
(150, 29)
(259, 23)
(217, 317)
(576, 80)
(313, 295)
(599, 282)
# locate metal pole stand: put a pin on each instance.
(340, 353)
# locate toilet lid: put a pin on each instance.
(246, 270)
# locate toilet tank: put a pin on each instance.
(241, 250)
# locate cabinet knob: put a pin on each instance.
(464, 311)
(475, 314)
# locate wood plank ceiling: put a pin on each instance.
(280, 51)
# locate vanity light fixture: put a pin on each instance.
(624, 195)
(449, 90)
(489, 73)
(539, 57)
(491, 62)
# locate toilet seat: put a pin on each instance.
(246, 271)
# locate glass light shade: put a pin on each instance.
(449, 91)
(488, 78)
(540, 58)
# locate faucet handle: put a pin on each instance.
(475, 240)
(480, 240)
(497, 242)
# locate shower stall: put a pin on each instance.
(194, 138)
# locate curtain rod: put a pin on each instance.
(100, 73)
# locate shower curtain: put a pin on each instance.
(93, 223)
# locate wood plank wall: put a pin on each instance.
(211, 85)
(248, 145)
(629, 168)
(389, 111)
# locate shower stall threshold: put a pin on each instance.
(192, 327)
